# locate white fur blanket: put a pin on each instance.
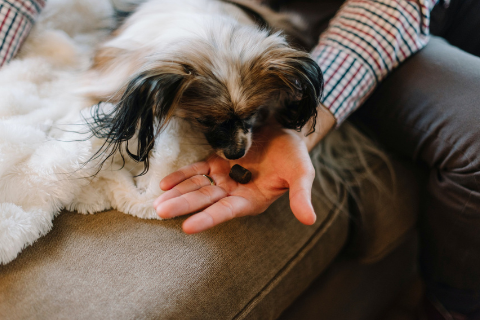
(42, 148)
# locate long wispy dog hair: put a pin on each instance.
(224, 66)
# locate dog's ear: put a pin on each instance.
(303, 82)
(148, 99)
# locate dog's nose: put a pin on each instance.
(234, 154)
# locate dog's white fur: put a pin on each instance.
(162, 29)
(221, 47)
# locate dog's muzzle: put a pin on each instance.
(234, 154)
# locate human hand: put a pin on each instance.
(278, 160)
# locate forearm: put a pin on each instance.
(364, 42)
(325, 122)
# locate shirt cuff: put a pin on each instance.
(364, 42)
(348, 81)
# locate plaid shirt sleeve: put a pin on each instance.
(16, 20)
(364, 42)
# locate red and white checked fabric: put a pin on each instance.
(16, 20)
(365, 41)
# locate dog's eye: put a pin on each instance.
(206, 122)
(250, 115)
(298, 85)
(188, 69)
(247, 126)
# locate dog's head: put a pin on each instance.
(224, 86)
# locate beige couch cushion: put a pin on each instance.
(387, 212)
(114, 266)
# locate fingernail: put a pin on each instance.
(162, 186)
(161, 212)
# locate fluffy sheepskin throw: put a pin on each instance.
(44, 142)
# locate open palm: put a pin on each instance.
(278, 160)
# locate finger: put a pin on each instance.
(184, 173)
(301, 199)
(190, 202)
(189, 185)
(224, 210)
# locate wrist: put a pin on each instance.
(325, 122)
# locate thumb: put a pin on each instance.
(301, 199)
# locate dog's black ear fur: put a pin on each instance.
(148, 98)
(305, 82)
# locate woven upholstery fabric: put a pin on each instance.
(114, 266)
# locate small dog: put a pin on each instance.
(222, 65)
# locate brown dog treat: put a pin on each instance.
(240, 174)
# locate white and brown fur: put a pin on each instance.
(221, 65)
